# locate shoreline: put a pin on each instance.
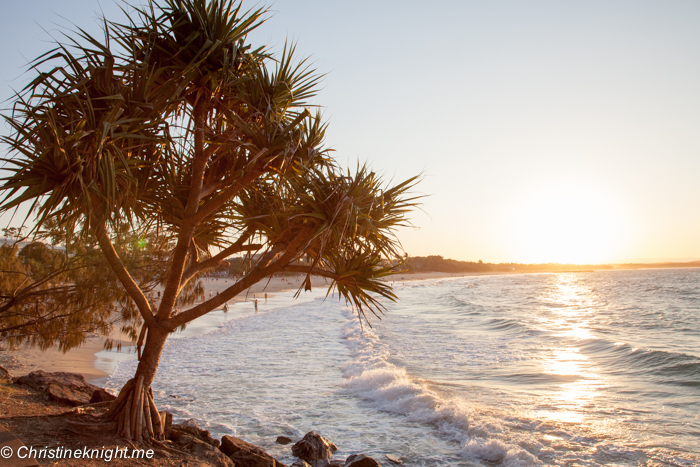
(93, 362)
(96, 364)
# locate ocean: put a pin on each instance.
(562, 369)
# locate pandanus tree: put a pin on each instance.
(174, 126)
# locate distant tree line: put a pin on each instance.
(436, 263)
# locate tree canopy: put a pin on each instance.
(172, 129)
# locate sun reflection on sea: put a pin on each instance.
(569, 315)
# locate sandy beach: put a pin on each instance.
(93, 362)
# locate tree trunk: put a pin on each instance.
(134, 410)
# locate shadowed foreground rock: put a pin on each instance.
(65, 388)
(360, 460)
(313, 448)
(244, 454)
(189, 439)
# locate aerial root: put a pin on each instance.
(135, 413)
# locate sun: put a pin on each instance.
(563, 224)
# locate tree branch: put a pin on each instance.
(123, 275)
(223, 254)
(222, 198)
(177, 265)
(203, 308)
(259, 272)
(311, 270)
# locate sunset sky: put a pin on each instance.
(546, 130)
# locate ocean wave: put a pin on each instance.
(667, 367)
(388, 388)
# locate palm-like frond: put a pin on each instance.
(175, 126)
(348, 222)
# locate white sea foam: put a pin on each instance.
(491, 371)
(389, 388)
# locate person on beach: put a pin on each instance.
(265, 297)
(255, 302)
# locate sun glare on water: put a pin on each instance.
(566, 225)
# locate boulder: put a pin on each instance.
(208, 453)
(313, 447)
(244, 454)
(283, 440)
(300, 463)
(182, 438)
(66, 395)
(66, 388)
(394, 459)
(41, 379)
(177, 431)
(231, 445)
(245, 458)
(360, 460)
(190, 423)
(101, 395)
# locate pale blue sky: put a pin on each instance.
(547, 130)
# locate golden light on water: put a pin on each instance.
(570, 315)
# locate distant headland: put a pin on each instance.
(436, 263)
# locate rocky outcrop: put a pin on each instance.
(211, 454)
(41, 379)
(101, 395)
(65, 388)
(314, 448)
(244, 454)
(199, 443)
(360, 460)
(180, 432)
(252, 459)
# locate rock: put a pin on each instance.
(66, 395)
(245, 458)
(190, 423)
(283, 440)
(360, 460)
(244, 454)
(313, 447)
(182, 438)
(101, 395)
(394, 459)
(66, 388)
(300, 463)
(231, 445)
(41, 379)
(178, 430)
(210, 454)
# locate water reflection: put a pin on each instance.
(567, 315)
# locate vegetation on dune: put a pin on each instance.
(172, 130)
